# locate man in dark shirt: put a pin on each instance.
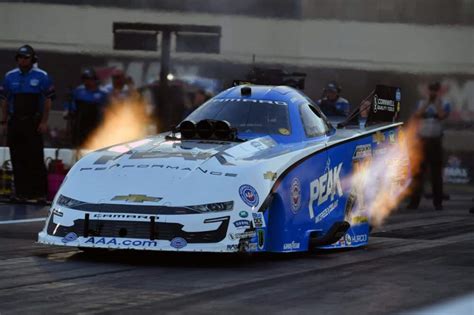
(332, 104)
(88, 102)
(430, 113)
(25, 96)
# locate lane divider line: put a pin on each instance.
(23, 221)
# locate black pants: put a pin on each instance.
(433, 159)
(87, 119)
(27, 156)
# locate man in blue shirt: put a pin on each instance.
(332, 104)
(88, 103)
(430, 113)
(25, 96)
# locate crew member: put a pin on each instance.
(88, 105)
(25, 96)
(199, 98)
(430, 113)
(332, 104)
(121, 88)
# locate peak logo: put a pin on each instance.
(325, 187)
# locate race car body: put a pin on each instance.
(254, 169)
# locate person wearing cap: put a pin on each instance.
(87, 107)
(332, 104)
(26, 95)
(430, 113)
(121, 87)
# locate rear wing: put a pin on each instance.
(385, 105)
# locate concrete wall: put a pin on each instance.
(316, 43)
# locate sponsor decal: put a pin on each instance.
(391, 137)
(383, 104)
(455, 172)
(136, 198)
(398, 95)
(249, 195)
(178, 242)
(378, 137)
(270, 175)
(327, 211)
(261, 238)
(292, 245)
(325, 188)
(258, 145)
(243, 214)
(359, 238)
(70, 237)
(233, 248)
(248, 100)
(120, 242)
(284, 131)
(242, 224)
(295, 197)
(236, 236)
(362, 151)
(258, 219)
(348, 239)
(199, 170)
(252, 246)
(57, 212)
(341, 242)
(359, 219)
(34, 82)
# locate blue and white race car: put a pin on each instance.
(254, 169)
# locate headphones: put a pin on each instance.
(27, 50)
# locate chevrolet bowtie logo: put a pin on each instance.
(137, 198)
(270, 175)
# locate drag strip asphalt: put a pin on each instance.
(416, 260)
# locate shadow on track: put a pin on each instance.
(184, 259)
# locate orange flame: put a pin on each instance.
(382, 182)
(124, 120)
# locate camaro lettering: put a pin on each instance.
(325, 187)
(121, 216)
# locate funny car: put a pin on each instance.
(254, 169)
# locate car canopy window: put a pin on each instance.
(247, 115)
(314, 122)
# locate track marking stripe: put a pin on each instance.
(23, 221)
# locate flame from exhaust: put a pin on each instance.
(124, 120)
(383, 181)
